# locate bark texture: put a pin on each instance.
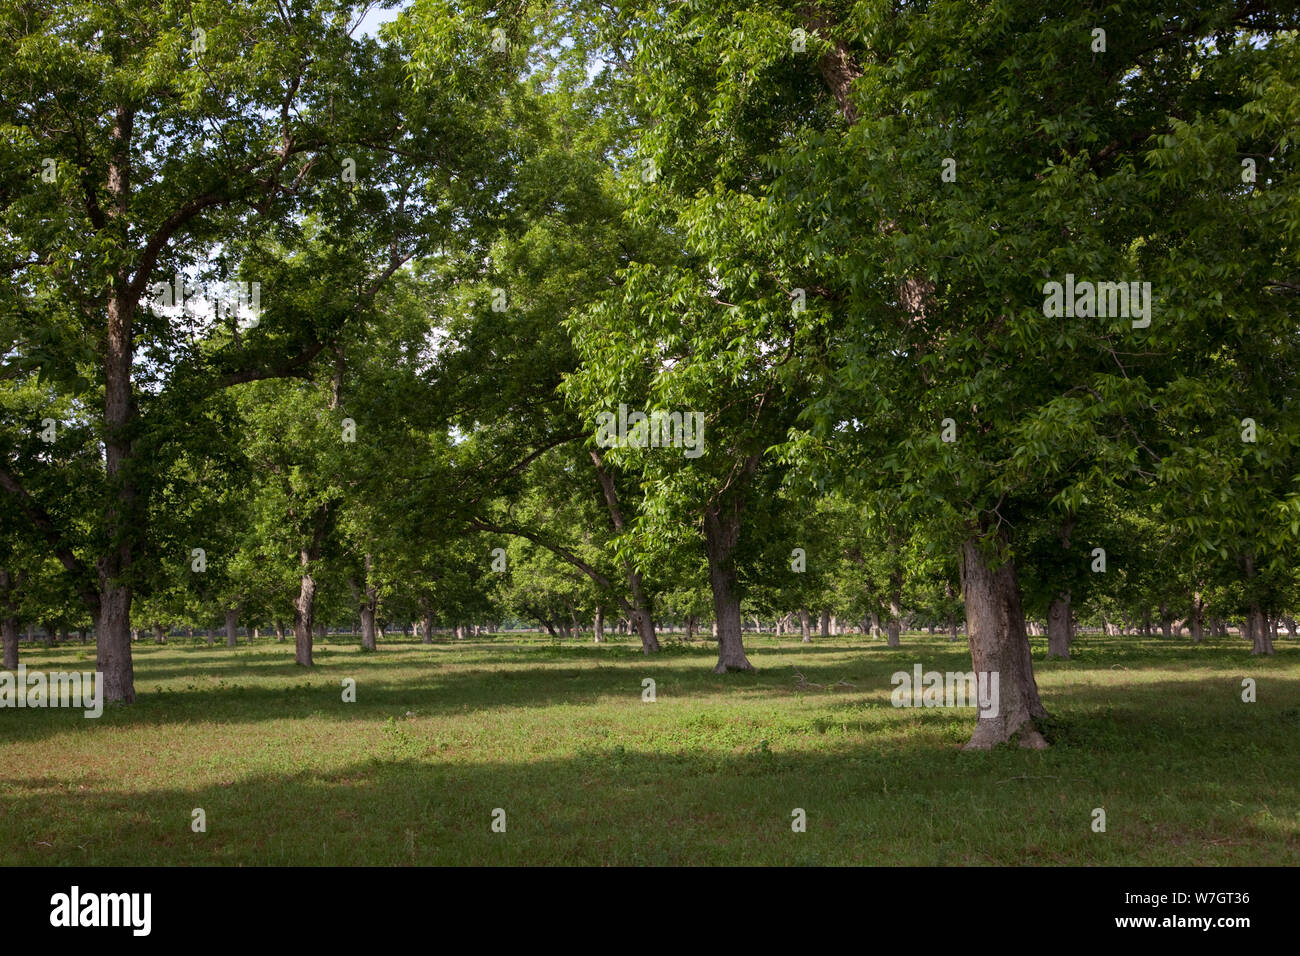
(995, 628)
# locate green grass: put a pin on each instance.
(1154, 732)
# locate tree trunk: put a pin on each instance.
(368, 640)
(304, 613)
(279, 631)
(721, 535)
(805, 625)
(824, 624)
(1290, 626)
(598, 626)
(952, 625)
(9, 629)
(995, 627)
(159, 634)
(895, 625)
(232, 627)
(210, 636)
(113, 643)
(875, 625)
(1058, 626)
(1198, 618)
(1257, 631)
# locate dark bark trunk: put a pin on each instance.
(952, 626)
(159, 634)
(9, 629)
(1198, 618)
(721, 535)
(995, 628)
(1059, 632)
(113, 644)
(232, 627)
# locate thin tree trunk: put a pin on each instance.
(9, 629)
(721, 535)
(1058, 626)
(598, 626)
(995, 627)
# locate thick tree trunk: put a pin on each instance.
(232, 627)
(1058, 626)
(995, 627)
(1146, 622)
(368, 639)
(824, 624)
(428, 627)
(805, 625)
(721, 535)
(1289, 622)
(279, 631)
(159, 634)
(113, 643)
(875, 625)
(210, 636)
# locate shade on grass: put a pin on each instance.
(1155, 732)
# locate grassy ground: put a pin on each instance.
(558, 736)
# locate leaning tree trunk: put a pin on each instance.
(995, 627)
(232, 627)
(805, 625)
(1058, 626)
(721, 535)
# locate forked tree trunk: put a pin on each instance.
(721, 535)
(995, 627)
(805, 626)
(1058, 626)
